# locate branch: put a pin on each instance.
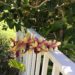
(54, 35)
(64, 4)
(4, 3)
(37, 6)
(7, 4)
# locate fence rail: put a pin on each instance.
(61, 64)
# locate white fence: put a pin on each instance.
(61, 64)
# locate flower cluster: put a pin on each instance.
(29, 43)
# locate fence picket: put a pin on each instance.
(45, 64)
(55, 70)
(38, 62)
(33, 63)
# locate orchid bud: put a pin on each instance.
(58, 43)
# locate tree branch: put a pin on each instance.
(4, 3)
(37, 6)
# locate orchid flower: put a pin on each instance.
(29, 43)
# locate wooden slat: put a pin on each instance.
(28, 64)
(24, 62)
(27, 60)
(33, 63)
(45, 64)
(38, 62)
(55, 70)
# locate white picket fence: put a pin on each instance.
(61, 64)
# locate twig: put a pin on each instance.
(39, 4)
(54, 35)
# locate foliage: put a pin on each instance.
(54, 19)
(5, 54)
(20, 14)
(14, 63)
(5, 41)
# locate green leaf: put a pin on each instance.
(57, 25)
(14, 63)
(26, 2)
(69, 46)
(10, 23)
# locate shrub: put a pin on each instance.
(5, 55)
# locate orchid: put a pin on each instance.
(29, 43)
